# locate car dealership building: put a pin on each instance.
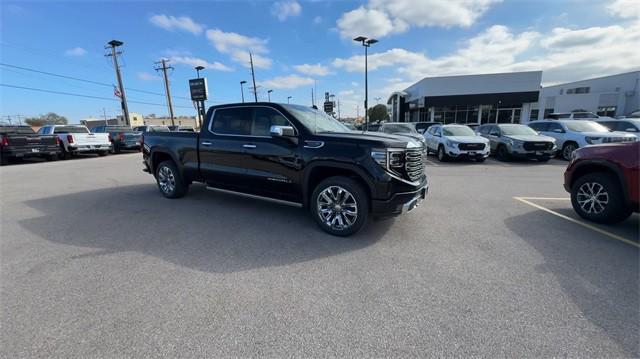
(516, 97)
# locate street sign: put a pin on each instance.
(328, 106)
(198, 89)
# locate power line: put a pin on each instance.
(81, 95)
(84, 80)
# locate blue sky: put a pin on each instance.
(298, 45)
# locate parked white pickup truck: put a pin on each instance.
(78, 139)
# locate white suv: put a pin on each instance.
(457, 141)
(573, 134)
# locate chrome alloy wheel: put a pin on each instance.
(337, 207)
(166, 179)
(592, 197)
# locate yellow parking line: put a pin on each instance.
(586, 225)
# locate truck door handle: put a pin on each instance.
(206, 143)
(249, 146)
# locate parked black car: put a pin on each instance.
(121, 137)
(293, 155)
(17, 142)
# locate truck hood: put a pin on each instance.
(369, 138)
(532, 138)
(467, 139)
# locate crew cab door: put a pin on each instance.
(222, 155)
(272, 163)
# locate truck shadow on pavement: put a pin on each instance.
(206, 231)
(598, 274)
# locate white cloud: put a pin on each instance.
(286, 82)
(76, 51)
(382, 17)
(312, 70)
(146, 76)
(238, 46)
(284, 9)
(317, 20)
(625, 8)
(562, 54)
(195, 61)
(171, 23)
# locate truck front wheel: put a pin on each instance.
(170, 181)
(340, 206)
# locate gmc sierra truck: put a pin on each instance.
(293, 155)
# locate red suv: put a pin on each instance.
(604, 181)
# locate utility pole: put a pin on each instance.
(113, 44)
(313, 101)
(253, 76)
(164, 69)
(104, 114)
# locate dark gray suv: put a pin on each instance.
(517, 141)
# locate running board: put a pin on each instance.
(268, 199)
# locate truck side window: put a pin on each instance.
(264, 118)
(232, 121)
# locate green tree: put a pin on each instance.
(378, 113)
(48, 119)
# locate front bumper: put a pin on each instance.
(521, 153)
(399, 203)
(128, 145)
(455, 152)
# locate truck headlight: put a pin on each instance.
(517, 144)
(592, 140)
(451, 144)
(388, 158)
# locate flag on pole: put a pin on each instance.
(116, 92)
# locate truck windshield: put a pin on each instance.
(70, 129)
(22, 130)
(314, 120)
(457, 131)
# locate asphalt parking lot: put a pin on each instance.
(95, 263)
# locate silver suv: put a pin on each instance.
(517, 141)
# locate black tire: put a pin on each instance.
(103, 153)
(543, 159)
(169, 180)
(481, 159)
(116, 149)
(3, 160)
(441, 154)
(52, 158)
(502, 153)
(358, 200)
(64, 155)
(568, 149)
(613, 211)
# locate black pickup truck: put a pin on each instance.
(293, 155)
(21, 141)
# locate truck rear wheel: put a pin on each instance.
(340, 206)
(170, 181)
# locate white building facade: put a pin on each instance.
(615, 95)
(516, 97)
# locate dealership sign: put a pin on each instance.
(198, 89)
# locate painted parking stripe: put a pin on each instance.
(586, 225)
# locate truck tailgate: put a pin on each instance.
(90, 138)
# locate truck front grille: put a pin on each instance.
(537, 146)
(414, 163)
(471, 146)
(617, 139)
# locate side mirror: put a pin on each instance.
(558, 130)
(282, 131)
(494, 134)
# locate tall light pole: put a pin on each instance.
(366, 43)
(242, 89)
(198, 69)
(269, 94)
(113, 44)
(288, 98)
